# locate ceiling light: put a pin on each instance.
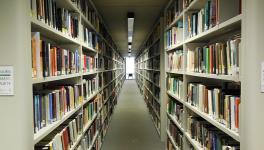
(130, 25)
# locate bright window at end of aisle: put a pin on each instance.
(130, 67)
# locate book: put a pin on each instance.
(175, 86)
(175, 60)
(63, 137)
(176, 134)
(48, 12)
(89, 111)
(219, 58)
(89, 63)
(209, 137)
(90, 86)
(220, 104)
(36, 53)
(198, 21)
(174, 35)
(50, 60)
(52, 104)
(174, 10)
(175, 109)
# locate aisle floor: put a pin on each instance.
(131, 127)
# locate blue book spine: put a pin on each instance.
(36, 113)
(50, 108)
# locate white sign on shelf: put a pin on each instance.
(6, 80)
(262, 77)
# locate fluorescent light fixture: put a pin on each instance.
(129, 46)
(130, 26)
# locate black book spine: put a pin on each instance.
(59, 19)
(54, 14)
(59, 61)
(70, 62)
(46, 6)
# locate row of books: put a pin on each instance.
(209, 137)
(202, 20)
(51, 105)
(174, 36)
(176, 134)
(50, 60)
(90, 38)
(175, 109)
(109, 63)
(173, 11)
(63, 137)
(175, 60)
(155, 78)
(154, 50)
(175, 86)
(108, 77)
(90, 87)
(88, 137)
(154, 36)
(220, 104)
(89, 12)
(52, 14)
(89, 63)
(89, 111)
(218, 58)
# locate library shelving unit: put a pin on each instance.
(77, 74)
(202, 42)
(149, 76)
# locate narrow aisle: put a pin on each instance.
(131, 127)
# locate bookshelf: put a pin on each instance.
(189, 30)
(150, 78)
(76, 90)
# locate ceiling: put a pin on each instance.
(114, 13)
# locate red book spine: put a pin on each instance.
(237, 112)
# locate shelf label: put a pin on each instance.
(6, 80)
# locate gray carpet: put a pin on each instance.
(131, 127)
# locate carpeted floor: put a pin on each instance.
(131, 127)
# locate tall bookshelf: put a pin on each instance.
(95, 73)
(150, 76)
(203, 84)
